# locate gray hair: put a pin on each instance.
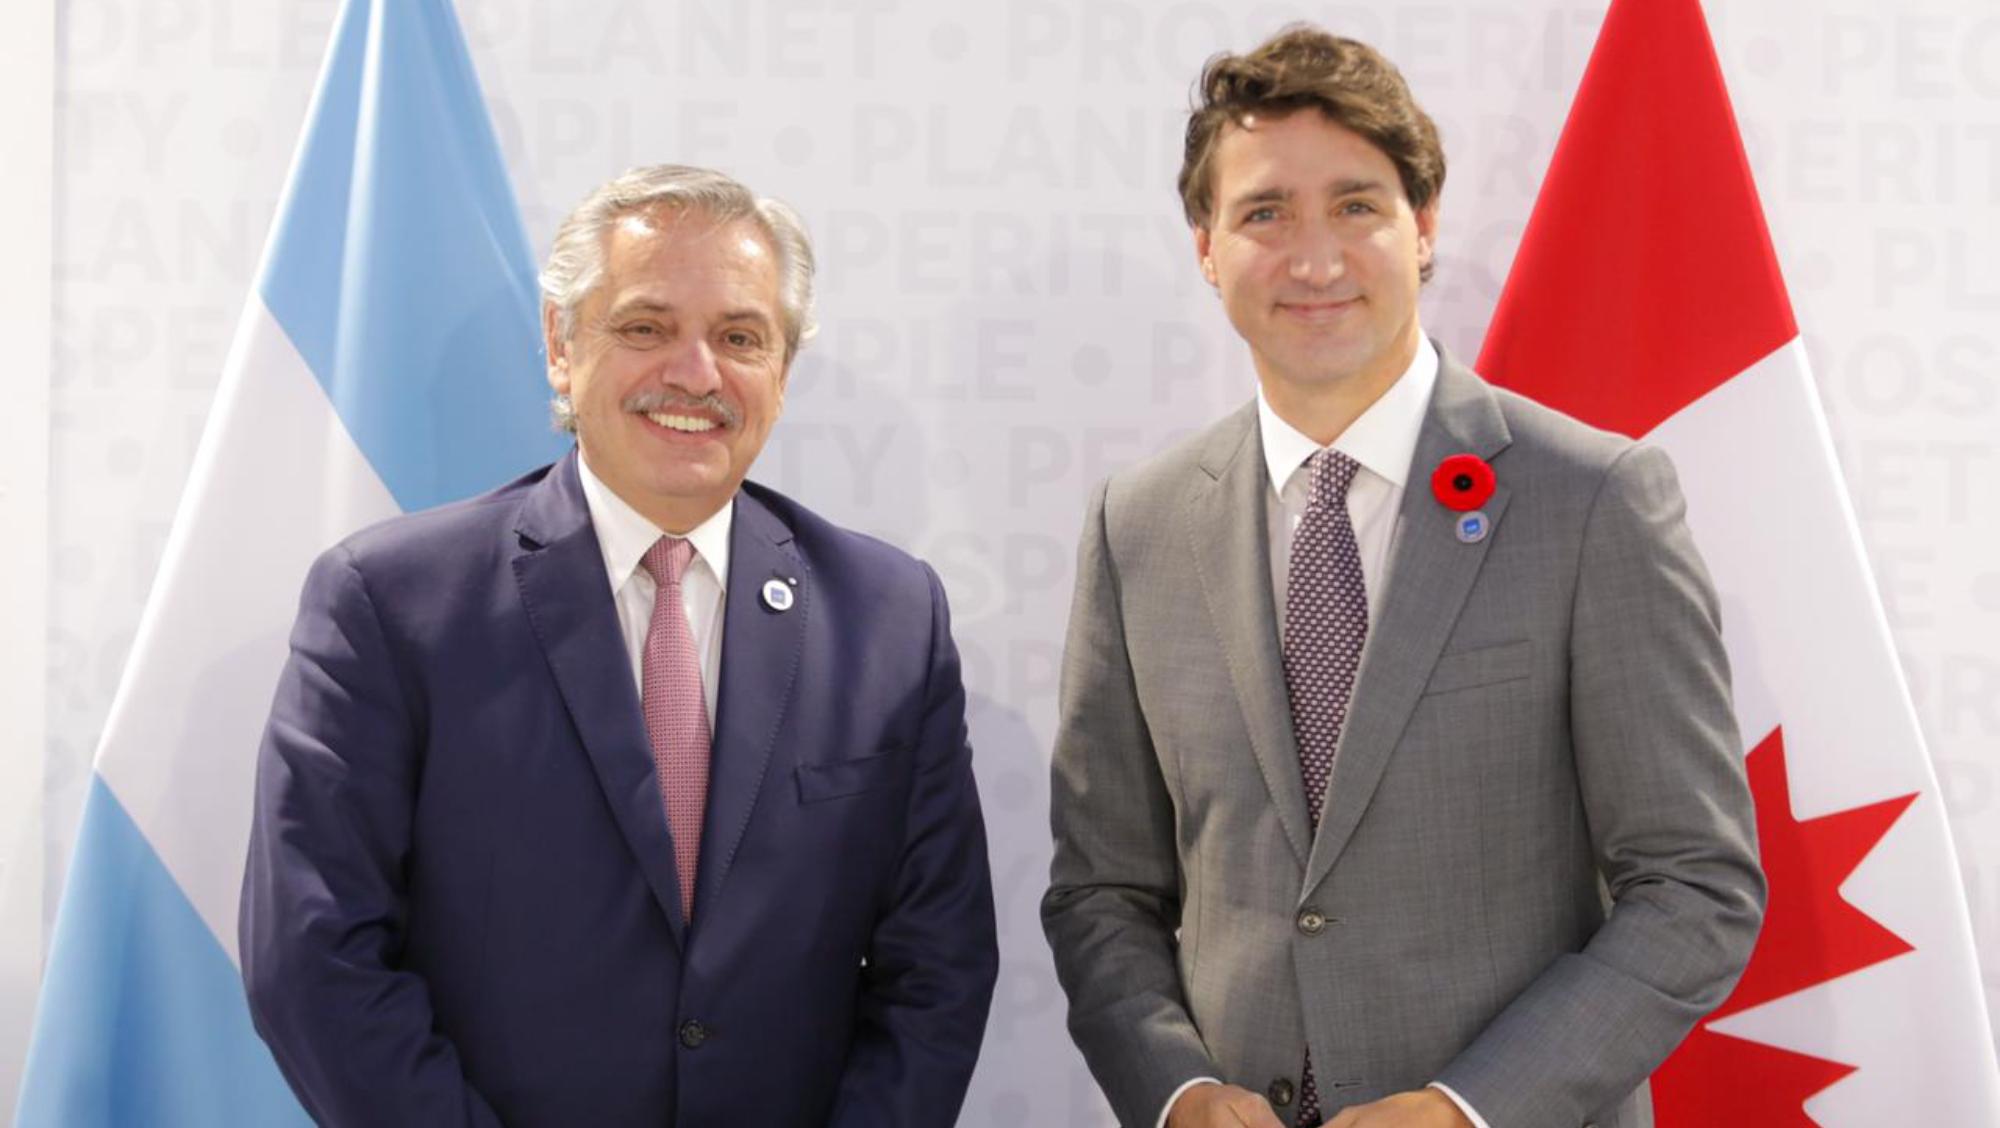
(576, 258)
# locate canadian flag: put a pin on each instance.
(1646, 299)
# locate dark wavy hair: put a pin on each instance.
(1299, 68)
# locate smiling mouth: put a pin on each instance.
(685, 424)
(1317, 311)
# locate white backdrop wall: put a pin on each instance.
(27, 88)
(1011, 308)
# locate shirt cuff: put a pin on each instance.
(1189, 1084)
(1471, 1113)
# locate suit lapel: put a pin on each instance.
(1430, 576)
(761, 653)
(560, 571)
(1230, 545)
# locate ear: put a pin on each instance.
(1427, 228)
(1202, 255)
(557, 347)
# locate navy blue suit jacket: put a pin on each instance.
(461, 906)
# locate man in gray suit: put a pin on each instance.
(1396, 779)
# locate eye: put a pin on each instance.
(742, 339)
(641, 334)
(1357, 207)
(1264, 214)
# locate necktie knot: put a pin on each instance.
(668, 560)
(1332, 473)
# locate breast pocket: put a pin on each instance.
(1485, 665)
(835, 779)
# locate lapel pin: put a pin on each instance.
(777, 595)
(1463, 482)
(1472, 527)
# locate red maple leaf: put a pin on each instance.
(1811, 935)
(1715, 1079)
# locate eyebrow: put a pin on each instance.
(1262, 196)
(638, 305)
(649, 305)
(750, 313)
(1355, 186)
(1352, 186)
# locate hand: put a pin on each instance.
(1213, 1105)
(1423, 1108)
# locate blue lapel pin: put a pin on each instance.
(1473, 527)
(778, 595)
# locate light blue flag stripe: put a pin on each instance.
(142, 1018)
(400, 269)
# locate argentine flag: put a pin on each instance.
(387, 360)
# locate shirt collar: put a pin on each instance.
(1383, 439)
(624, 534)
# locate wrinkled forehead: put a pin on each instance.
(687, 257)
(668, 229)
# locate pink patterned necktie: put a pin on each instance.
(1326, 624)
(676, 713)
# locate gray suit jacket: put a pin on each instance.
(1536, 868)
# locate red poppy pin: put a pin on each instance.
(1462, 482)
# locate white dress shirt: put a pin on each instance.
(624, 536)
(1383, 439)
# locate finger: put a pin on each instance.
(1254, 1111)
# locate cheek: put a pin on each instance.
(761, 392)
(604, 384)
(1390, 247)
(1258, 274)
(1246, 290)
(588, 392)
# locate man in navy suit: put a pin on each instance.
(505, 870)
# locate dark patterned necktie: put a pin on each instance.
(1326, 624)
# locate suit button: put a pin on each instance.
(1280, 1092)
(1312, 922)
(693, 1034)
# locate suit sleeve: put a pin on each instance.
(934, 955)
(1114, 902)
(1660, 768)
(324, 898)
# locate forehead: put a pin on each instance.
(1260, 151)
(688, 256)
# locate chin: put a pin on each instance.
(687, 487)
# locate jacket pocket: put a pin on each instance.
(835, 778)
(1486, 665)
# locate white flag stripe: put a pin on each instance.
(276, 480)
(1806, 633)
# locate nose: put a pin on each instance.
(690, 367)
(1317, 259)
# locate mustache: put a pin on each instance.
(666, 399)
